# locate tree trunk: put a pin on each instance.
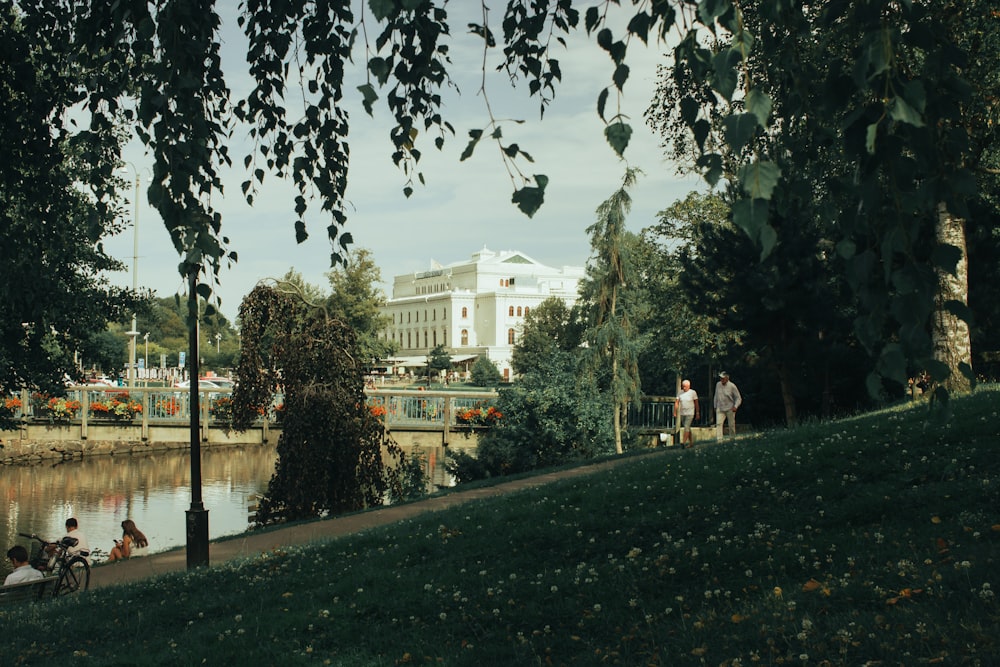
(787, 395)
(950, 334)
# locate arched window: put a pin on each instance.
(465, 312)
(465, 336)
(510, 311)
(501, 282)
(525, 311)
(519, 311)
(510, 336)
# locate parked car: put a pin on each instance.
(208, 383)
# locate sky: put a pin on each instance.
(464, 206)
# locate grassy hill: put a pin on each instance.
(867, 541)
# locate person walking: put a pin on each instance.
(727, 401)
(687, 409)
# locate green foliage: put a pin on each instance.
(548, 327)
(439, 359)
(412, 479)
(356, 298)
(57, 204)
(484, 373)
(680, 335)
(330, 453)
(550, 416)
(611, 273)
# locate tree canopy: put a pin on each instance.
(897, 85)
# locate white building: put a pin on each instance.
(473, 308)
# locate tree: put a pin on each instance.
(611, 333)
(356, 298)
(548, 328)
(551, 415)
(903, 144)
(330, 452)
(438, 360)
(484, 373)
(680, 334)
(54, 296)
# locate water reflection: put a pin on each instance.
(153, 490)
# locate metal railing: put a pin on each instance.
(398, 408)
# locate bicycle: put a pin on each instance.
(72, 572)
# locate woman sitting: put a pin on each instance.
(133, 542)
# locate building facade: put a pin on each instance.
(474, 308)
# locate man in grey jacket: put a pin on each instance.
(727, 401)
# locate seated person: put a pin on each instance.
(23, 572)
(133, 542)
(82, 548)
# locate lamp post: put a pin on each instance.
(218, 339)
(133, 332)
(145, 357)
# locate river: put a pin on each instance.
(154, 490)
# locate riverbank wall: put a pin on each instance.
(40, 442)
(35, 443)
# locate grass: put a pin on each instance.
(872, 540)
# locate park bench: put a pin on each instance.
(29, 590)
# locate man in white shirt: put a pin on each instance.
(82, 548)
(23, 572)
(727, 401)
(687, 410)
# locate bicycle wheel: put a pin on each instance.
(74, 576)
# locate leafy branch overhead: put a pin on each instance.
(157, 65)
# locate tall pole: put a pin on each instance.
(197, 515)
(133, 333)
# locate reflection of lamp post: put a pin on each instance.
(133, 332)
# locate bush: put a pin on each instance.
(485, 374)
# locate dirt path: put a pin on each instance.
(251, 544)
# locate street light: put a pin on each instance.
(133, 332)
(145, 358)
(218, 338)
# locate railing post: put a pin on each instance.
(446, 427)
(84, 412)
(144, 429)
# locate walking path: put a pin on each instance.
(252, 543)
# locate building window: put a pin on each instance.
(519, 311)
(408, 316)
(425, 316)
(409, 341)
(525, 311)
(510, 336)
(510, 311)
(434, 337)
(465, 312)
(444, 313)
(465, 337)
(434, 314)
(506, 375)
(401, 339)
